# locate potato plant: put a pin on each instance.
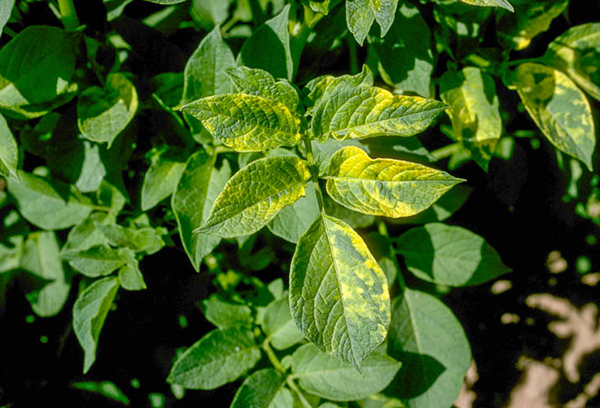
(305, 155)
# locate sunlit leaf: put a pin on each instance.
(490, 3)
(360, 15)
(9, 151)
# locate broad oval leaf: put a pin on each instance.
(216, 359)
(192, 200)
(255, 194)
(474, 111)
(559, 108)
(321, 88)
(338, 293)
(99, 260)
(224, 314)
(449, 255)
(293, 221)
(89, 313)
(160, 180)
(490, 3)
(50, 205)
(279, 326)
(9, 151)
(360, 15)
(248, 123)
(263, 389)
(392, 188)
(325, 376)
(577, 53)
(431, 343)
(362, 112)
(103, 113)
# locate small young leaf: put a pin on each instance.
(490, 3)
(362, 112)
(429, 340)
(263, 389)
(9, 151)
(100, 260)
(360, 15)
(294, 220)
(269, 47)
(130, 276)
(160, 180)
(192, 200)
(216, 359)
(49, 205)
(86, 234)
(338, 293)
(225, 315)
(248, 123)
(475, 111)
(255, 194)
(279, 326)
(144, 240)
(326, 376)
(89, 313)
(391, 188)
(449, 255)
(103, 113)
(559, 108)
(577, 52)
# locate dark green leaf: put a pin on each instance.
(160, 180)
(225, 315)
(263, 389)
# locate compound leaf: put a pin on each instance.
(323, 375)
(255, 194)
(89, 313)
(338, 293)
(559, 108)
(490, 3)
(262, 389)
(387, 187)
(429, 340)
(9, 151)
(216, 359)
(449, 255)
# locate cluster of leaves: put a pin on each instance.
(240, 147)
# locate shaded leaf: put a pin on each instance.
(278, 325)
(360, 15)
(105, 388)
(338, 293)
(160, 180)
(490, 3)
(99, 260)
(86, 234)
(9, 151)
(145, 240)
(224, 314)
(130, 276)
(262, 389)
(293, 221)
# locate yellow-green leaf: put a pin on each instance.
(388, 187)
(475, 111)
(490, 3)
(9, 151)
(338, 293)
(248, 123)
(255, 194)
(577, 53)
(360, 15)
(559, 108)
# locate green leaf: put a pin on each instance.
(362, 112)
(130, 276)
(278, 325)
(192, 200)
(353, 218)
(319, 6)
(41, 257)
(338, 293)
(294, 220)
(9, 151)
(404, 56)
(248, 122)
(559, 108)
(360, 15)
(86, 234)
(145, 240)
(34, 79)
(263, 389)
(576, 52)
(209, 13)
(89, 313)
(433, 348)
(160, 180)
(490, 3)
(224, 314)
(204, 73)
(387, 187)
(269, 47)
(105, 388)
(449, 255)
(99, 260)
(255, 194)
(475, 112)
(166, 2)
(50, 205)
(216, 359)
(5, 12)
(325, 376)
(103, 113)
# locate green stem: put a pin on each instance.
(315, 179)
(272, 357)
(68, 14)
(290, 382)
(446, 151)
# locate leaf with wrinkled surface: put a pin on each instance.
(216, 359)
(255, 194)
(338, 293)
(326, 376)
(9, 151)
(99, 260)
(279, 326)
(490, 3)
(50, 205)
(559, 108)
(431, 343)
(387, 187)
(89, 313)
(360, 15)
(263, 389)
(475, 111)
(160, 180)
(449, 255)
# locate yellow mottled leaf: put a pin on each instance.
(559, 108)
(392, 188)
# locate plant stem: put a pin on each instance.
(311, 161)
(290, 382)
(446, 151)
(68, 14)
(272, 357)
